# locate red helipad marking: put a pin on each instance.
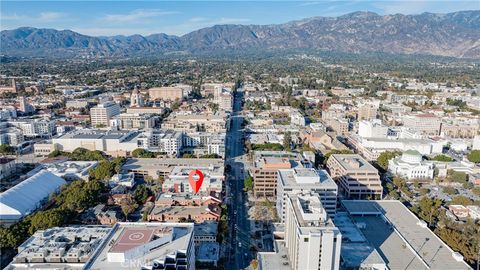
(131, 238)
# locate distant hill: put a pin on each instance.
(454, 34)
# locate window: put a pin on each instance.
(305, 239)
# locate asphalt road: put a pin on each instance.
(238, 250)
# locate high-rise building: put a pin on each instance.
(355, 177)
(306, 181)
(312, 240)
(103, 113)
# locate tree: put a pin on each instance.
(49, 218)
(384, 157)
(474, 156)
(141, 194)
(428, 209)
(450, 190)
(287, 141)
(462, 200)
(459, 177)
(248, 184)
(443, 158)
(142, 153)
(128, 205)
(7, 149)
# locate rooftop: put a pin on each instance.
(142, 244)
(353, 162)
(60, 248)
(401, 239)
(310, 178)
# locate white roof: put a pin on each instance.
(25, 197)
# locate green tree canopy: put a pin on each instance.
(384, 157)
(142, 153)
(443, 158)
(7, 149)
(474, 156)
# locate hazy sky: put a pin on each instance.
(180, 17)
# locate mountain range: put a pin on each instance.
(453, 34)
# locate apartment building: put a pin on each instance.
(312, 240)
(163, 141)
(204, 143)
(171, 93)
(133, 121)
(306, 181)
(205, 122)
(355, 177)
(101, 114)
(35, 128)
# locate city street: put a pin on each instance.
(238, 253)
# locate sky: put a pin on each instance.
(108, 18)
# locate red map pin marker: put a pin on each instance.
(195, 183)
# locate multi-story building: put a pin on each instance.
(133, 121)
(116, 143)
(411, 166)
(60, 248)
(35, 128)
(162, 167)
(225, 101)
(163, 141)
(372, 129)
(177, 181)
(427, 124)
(166, 93)
(367, 112)
(340, 125)
(306, 181)
(205, 143)
(206, 122)
(297, 118)
(11, 136)
(210, 89)
(9, 89)
(355, 177)
(312, 240)
(146, 246)
(265, 170)
(103, 113)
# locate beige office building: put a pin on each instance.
(103, 113)
(356, 178)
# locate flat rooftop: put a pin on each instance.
(126, 236)
(401, 239)
(320, 179)
(148, 164)
(277, 260)
(93, 134)
(353, 162)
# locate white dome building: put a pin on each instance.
(411, 166)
